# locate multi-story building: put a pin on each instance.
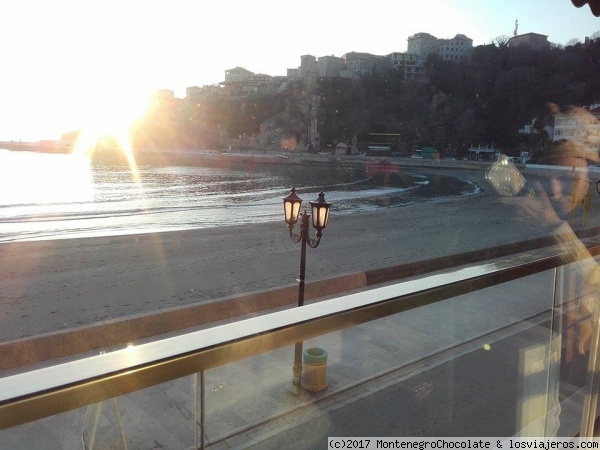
(194, 94)
(330, 66)
(457, 49)
(259, 83)
(350, 65)
(308, 67)
(580, 125)
(422, 44)
(237, 75)
(235, 79)
(408, 64)
(259, 79)
(533, 41)
(363, 63)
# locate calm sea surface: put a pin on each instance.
(45, 196)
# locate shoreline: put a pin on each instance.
(144, 218)
(196, 156)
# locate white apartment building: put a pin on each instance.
(408, 64)
(363, 63)
(581, 125)
(457, 49)
(422, 44)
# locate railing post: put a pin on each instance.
(199, 438)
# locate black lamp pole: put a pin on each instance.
(297, 370)
(320, 216)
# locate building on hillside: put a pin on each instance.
(293, 74)
(259, 83)
(235, 79)
(533, 41)
(457, 49)
(364, 63)
(237, 75)
(580, 125)
(422, 44)
(308, 69)
(350, 65)
(330, 66)
(194, 94)
(259, 79)
(408, 64)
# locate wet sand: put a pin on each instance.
(48, 286)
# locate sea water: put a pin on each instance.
(50, 196)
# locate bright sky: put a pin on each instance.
(71, 63)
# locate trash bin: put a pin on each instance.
(314, 375)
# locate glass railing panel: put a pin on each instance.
(476, 364)
(61, 431)
(162, 416)
(576, 319)
(497, 361)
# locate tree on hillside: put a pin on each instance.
(487, 99)
(501, 41)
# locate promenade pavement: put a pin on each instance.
(466, 366)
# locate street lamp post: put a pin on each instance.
(320, 215)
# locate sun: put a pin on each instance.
(109, 122)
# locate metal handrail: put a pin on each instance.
(39, 393)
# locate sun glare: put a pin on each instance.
(108, 127)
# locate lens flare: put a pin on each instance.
(108, 127)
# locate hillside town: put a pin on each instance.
(256, 111)
(240, 81)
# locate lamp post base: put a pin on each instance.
(297, 369)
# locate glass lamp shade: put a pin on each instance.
(320, 212)
(291, 207)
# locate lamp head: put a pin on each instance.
(291, 207)
(320, 212)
